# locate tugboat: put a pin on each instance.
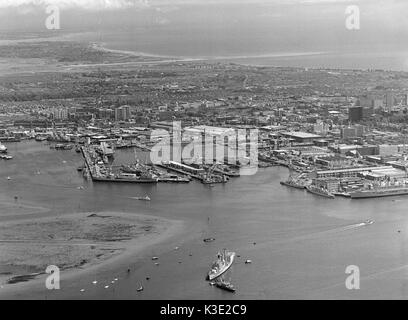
(221, 265)
(320, 192)
(224, 285)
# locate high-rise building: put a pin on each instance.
(405, 99)
(59, 113)
(122, 113)
(355, 114)
(389, 100)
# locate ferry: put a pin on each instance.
(320, 192)
(381, 192)
(221, 265)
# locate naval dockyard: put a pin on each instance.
(344, 135)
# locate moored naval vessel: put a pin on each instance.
(381, 192)
(320, 192)
(293, 184)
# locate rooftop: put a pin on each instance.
(300, 134)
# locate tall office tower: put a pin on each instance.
(389, 100)
(355, 113)
(405, 99)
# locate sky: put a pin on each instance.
(223, 26)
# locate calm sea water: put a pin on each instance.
(256, 50)
(303, 242)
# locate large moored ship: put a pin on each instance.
(293, 184)
(221, 265)
(320, 192)
(382, 192)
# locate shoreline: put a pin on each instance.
(129, 250)
(102, 46)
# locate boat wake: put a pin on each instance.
(318, 234)
(341, 229)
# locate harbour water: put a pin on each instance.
(299, 244)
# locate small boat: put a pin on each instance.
(3, 148)
(248, 261)
(368, 222)
(146, 198)
(227, 286)
(8, 178)
(209, 239)
(140, 289)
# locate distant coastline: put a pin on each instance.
(107, 48)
